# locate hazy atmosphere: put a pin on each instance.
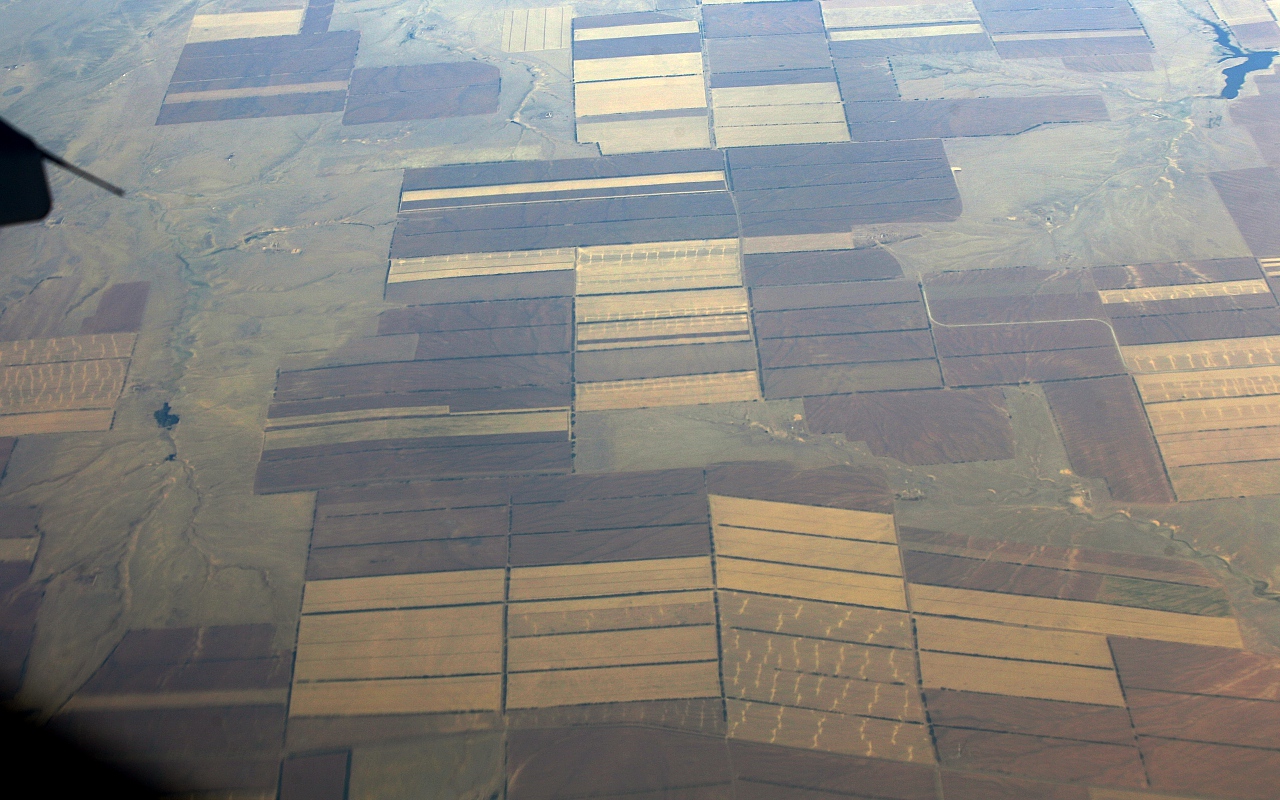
(820, 400)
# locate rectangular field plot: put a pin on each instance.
(613, 685)
(1063, 28)
(403, 591)
(527, 30)
(806, 552)
(610, 632)
(829, 732)
(1252, 196)
(1073, 615)
(612, 648)
(1075, 684)
(245, 25)
(614, 578)
(802, 519)
(1106, 434)
(858, 28)
(62, 385)
(523, 207)
(829, 187)
(1036, 581)
(262, 76)
(889, 120)
(661, 266)
(835, 338)
(625, 613)
(357, 432)
(400, 644)
(662, 324)
(638, 83)
(1212, 407)
(947, 635)
(921, 427)
(814, 619)
(790, 548)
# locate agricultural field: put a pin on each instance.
(807, 399)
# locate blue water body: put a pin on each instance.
(1254, 60)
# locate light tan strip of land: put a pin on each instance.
(791, 517)
(833, 733)
(639, 94)
(1191, 416)
(502, 190)
(613, 685)
(669, 265)
(686, 330)
(405, 591)
(740, 336)
(1076, 615)
(245, 25)
(685, 390)
(56, 422)
(545, 617)
(780, 116)
(630, 31)
(814, 551)
(396, 696)
(353, 628)
(1220, 447)
(404, 270)
(798, 242)
(613, 648)
(834, 586)
(1187, 291)
(783, 94)
(416, 427)
(745, 651)
(610, 578)
(162, 700)
(882, 14)
(661, 305)
(945, 634)
(760, 135)
(88, 347)
(825, 693)
(256, 91)
(400, 643)
(1064, 682)
(811, 618)
(648, 135)
(1254, 351)
(647, 66)
(1203, 384)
